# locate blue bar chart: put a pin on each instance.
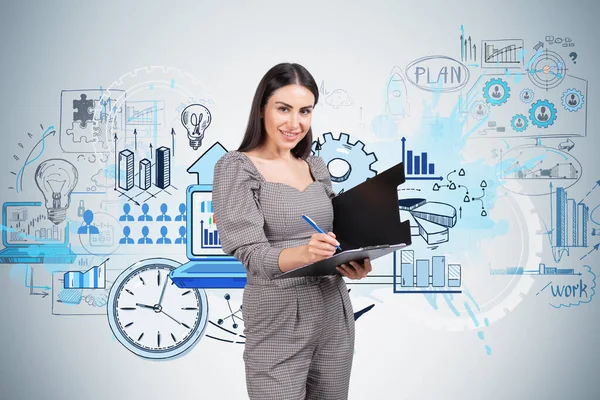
(209, 235)
(93, 278)
(424, 275)
(418, 165)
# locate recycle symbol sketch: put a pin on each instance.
(348, 164)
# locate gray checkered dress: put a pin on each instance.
(299, 331)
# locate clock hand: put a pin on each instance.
(163, 291)
(171, 317)
(144, 305)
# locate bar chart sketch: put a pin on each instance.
(93, 278)
(418, 166)
(507, 53)
(568, 223)
(424, 275)
(22, 229)
(150, 178)
(209, 235)
(541, 270)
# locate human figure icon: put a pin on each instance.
(526, 95)
(572, 101)
(88, 217)
(126, 216)
(145, 239)
(542, 116)
(163, 233)
(496, 94)
(182, 239)
(519, 123)
(480, 110)
(126, 239)
(145, 216)
(163, 216)
(181, 216)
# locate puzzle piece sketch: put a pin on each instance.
(85, 110)
(83, 134)
(89, 120)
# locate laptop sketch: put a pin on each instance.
(208, 267)
(30, 238)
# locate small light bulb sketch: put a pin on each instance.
(195, 118)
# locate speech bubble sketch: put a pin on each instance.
(573, 292)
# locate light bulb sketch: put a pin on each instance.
(56, 179)
(195, 118)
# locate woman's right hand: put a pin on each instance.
(321, 246)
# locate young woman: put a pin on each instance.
(299, 331)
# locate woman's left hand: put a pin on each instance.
(355, 270)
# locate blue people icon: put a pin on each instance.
(181, 216)
(163, 216)
(164, 239)
(182, 239)
(88, 217)
(126, 216)
(145, 239)
(145, 216)
(126, 239)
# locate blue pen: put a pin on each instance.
(312, 223)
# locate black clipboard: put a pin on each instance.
(366, 222)
(327, 265)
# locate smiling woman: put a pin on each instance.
(299, 331)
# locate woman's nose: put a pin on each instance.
(293, 121)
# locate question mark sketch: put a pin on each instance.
(573, 56)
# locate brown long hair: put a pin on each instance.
(280, 75)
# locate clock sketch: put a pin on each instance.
(151, 316)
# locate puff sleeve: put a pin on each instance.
(238, 216)
(321, 173)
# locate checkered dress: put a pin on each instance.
(299, 331)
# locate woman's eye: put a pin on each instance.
(282, 109)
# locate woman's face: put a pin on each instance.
(287, 115)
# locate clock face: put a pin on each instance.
(153, 317)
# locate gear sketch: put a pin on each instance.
(132, 86)
(355, 161)
(496, 91)
(449, 313)
(542, 113)
(572, 100)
